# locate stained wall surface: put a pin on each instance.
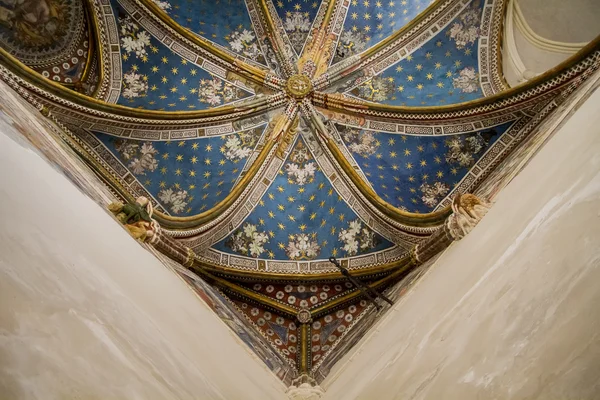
(88, 313)
(511, 311)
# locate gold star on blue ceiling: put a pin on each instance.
(186, 177)
(302, 217)
(415, 173)
(156, 78)
(445, 70)
(370, 21)
(225, 22)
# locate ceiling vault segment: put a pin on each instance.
(258, 138)
(219, 56)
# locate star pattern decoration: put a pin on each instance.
(186, 177)
(297, 17)
(370, 21)
(156, 78)
(302, 217)
(414, 173)
(441, 71)
(224, 22)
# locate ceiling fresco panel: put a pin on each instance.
(186, 177)
(224, 22)
(156, 78)
(370, 21)
(415, 173)
(444, 70)
(302, 217)
(298, 17)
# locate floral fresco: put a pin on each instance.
(443, 70)
(357, 236)
(187, 176)
(248, 241)
(301, 217)
(414, 173)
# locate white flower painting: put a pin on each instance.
(360, 142)
(466, 30)
(297, 26)
(244, 43)
(463, 151)
(351, 42)
(239, 146)
(248, 241)
(433, 193)
(467, 80)
(163, 5)
(216, 91)
(133, 39)
(175, 200)
(302, 246)
(300, 168)
(357, 238)
(141, 158)
(134, 85)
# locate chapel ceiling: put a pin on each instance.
(270, 135)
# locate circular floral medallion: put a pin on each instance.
(298, 86)
(304, 316)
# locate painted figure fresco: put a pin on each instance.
(34, 22)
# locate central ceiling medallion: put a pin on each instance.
(298, 86)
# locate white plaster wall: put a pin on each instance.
(535, 59)
(87, 313)
(510, 312)
(570, 21)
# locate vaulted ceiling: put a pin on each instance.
(270, 135)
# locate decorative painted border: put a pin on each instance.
(107, 38)
(319, 266)
(160, 133)
(337, 22)
(491, 78)
(261, 36)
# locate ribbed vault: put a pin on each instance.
(271, 135)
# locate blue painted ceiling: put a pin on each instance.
(415, 173)
(370, 21)
(156, 78)
(444, 70)
(225, 22)
(186, 177)
(302, 217)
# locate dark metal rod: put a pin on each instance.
(368, 291)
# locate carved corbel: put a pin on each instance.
(468, 210)
(137, 219)
(305, 388)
